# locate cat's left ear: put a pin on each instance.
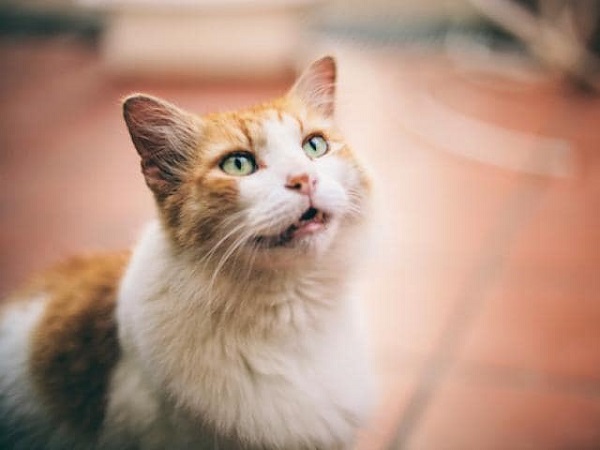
(164, 136)
(316, 86)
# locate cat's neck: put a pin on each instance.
(254, 300)
(215, 346)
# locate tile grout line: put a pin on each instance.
(517, 209)
(485, 374)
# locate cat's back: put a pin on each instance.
(58, 346)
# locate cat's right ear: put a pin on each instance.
(316, 86)
(164, 136)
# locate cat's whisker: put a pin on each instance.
(251, 260)
(206, 258)
(235, 245)
(226, 306)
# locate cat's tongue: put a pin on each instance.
(307, 228)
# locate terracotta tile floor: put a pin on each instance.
(482, 289)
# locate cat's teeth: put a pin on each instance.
(289, 233)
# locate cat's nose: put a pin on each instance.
(302, 183)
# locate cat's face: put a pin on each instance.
(273, 184)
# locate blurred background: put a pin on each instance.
(480, 122)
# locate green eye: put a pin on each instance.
(238, 164)
(315, 146)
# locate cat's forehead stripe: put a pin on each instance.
(299, 121)
(243, 125)
(226, 134)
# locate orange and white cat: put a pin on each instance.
(232, 324)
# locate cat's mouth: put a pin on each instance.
(311, 221)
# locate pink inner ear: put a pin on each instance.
(164, 137)
(146, 117)
(155, 178)
(316, 86)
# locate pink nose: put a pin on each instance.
(303, 183)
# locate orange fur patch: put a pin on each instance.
(75, 346)
(193, 212)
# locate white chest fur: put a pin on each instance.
(280, 365)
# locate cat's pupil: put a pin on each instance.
(313, 143)
(238, 163)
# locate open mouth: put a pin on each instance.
(311, 221)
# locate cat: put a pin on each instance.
(234, 322)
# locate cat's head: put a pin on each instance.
(271, 184)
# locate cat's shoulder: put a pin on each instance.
(93, 272)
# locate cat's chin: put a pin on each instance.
(306, 244)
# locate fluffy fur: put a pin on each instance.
(232, 324)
